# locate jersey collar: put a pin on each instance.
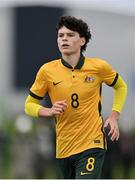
(79, 64)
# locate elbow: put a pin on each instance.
(125, 88)
(31, 107)
(26, 109)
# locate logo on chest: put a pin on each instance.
(56, 82)
(89, 79)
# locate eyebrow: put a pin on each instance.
(66, 33)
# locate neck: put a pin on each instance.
(71, 59)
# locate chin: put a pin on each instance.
(66, 52)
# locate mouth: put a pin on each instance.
(65, 45)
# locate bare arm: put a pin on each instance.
(58, 108)
(34, 109)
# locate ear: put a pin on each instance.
(83, 40)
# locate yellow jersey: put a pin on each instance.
(80, 127)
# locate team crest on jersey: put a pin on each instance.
(89, 79)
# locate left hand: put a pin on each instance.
(112, 122)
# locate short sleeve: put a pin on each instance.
(107, 74)
(39, 87)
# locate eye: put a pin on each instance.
(60, 35)
(71, 34)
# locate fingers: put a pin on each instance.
(113, 129)
(59, 107)
(114, 134)
(106, 124)
(60, 104)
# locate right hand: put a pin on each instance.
(58, 107)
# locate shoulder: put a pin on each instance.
(96, 62)
(50, 65)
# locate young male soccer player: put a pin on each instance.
(74, 85)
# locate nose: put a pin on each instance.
(64, 38)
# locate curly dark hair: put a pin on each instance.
(77, 25)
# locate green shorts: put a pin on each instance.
(85, 165)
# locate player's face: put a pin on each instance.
(69, 42)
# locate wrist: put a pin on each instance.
(45, 112)
(115, 115)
